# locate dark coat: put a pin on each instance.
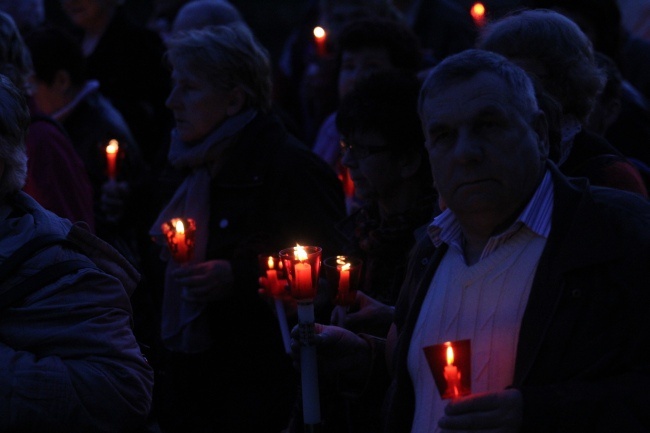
(271, 193)
(581, 358)
(593, 157)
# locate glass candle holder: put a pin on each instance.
(180, 233)
(344, 274)
(450, 365)
(272, 274)
(302, 265)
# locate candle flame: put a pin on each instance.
(345, 267)
(299, 253)
(478, 11)
(319, 32)
(113, 146)
(450, 355)
(180, 228)
(270, 263)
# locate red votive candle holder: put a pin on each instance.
(344, 274)
(272, 274)
(180, 233)
(302, 266)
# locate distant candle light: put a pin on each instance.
(320, 36)
(111, 158)
(478, 13)
(319, 32)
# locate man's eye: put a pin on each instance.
(439, 137)
(488, 124)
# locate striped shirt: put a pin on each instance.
(445, 228)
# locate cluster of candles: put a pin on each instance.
(295, 271)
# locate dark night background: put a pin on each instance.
(272, 20)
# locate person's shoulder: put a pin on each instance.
(625, 203)
(44, 127)
(103, 113)
(588, 144)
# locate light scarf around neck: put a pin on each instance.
(184, 326)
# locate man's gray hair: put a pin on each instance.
(14, 121)
(461, 67)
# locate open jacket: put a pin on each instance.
(581, 361)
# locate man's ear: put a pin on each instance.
(236, 101)
(540, 125)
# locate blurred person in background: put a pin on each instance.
(56, 175)
(127, 60)
(69, 361)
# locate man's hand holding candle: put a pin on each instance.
(340, 352)
(364, 315)
(494, 412)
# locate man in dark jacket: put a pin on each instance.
(542, 277)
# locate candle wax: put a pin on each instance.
(272, 281)
(452, 376)
(181, 247)
(303, 280)
(111, 159)
(344, 281)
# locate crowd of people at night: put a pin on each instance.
(411, 216)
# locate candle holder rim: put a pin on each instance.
(309, 249)
(352, 260)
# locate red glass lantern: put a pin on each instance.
(302, 265)
(343, 273)
(180, 233)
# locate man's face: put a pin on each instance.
(486, 157)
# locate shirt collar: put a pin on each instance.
(445, 228)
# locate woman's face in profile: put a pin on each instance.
(197, 105)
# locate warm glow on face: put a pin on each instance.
(180, 228)
(319, 32)
(450, 356)
(299, 253)
(478, 11)
(270, 263)
(112, 147)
